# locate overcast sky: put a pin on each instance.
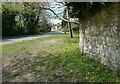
(58, 8)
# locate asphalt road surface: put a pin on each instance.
(29, 37)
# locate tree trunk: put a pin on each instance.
(71, 35)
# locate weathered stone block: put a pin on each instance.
(101, 39)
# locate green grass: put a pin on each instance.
(55, 58)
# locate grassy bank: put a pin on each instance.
(54, 59)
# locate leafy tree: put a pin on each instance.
(34, 19)
(64, 23)
(9, 13)
(19, 18)
(40, 6)
(30, 20)
(85, 10)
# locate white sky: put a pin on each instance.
(59, 8)
(55, 21)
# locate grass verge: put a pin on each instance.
(51, 59)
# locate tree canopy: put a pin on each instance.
(83, 10)
(20, 19)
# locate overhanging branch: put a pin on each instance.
(54, 13)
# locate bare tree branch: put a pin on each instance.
(54, 13)
(62, 3)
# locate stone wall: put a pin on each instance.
(101, 37)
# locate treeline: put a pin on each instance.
(21, 19)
